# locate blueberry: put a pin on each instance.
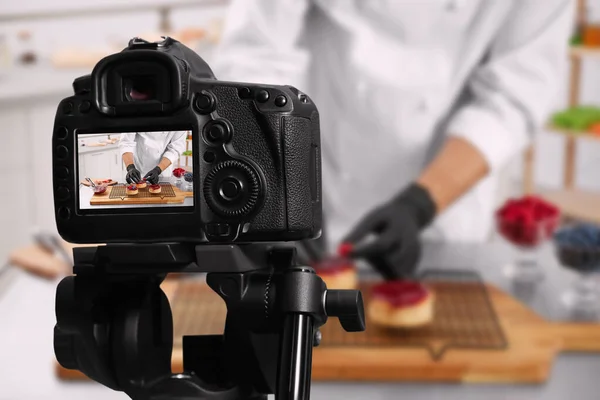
(589, 233)
(561, 236)
(188, 176)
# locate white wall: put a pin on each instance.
(16, 217)
(550, 146)
(99, 31)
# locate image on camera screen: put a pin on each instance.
(135, 170)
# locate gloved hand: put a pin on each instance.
(133, 174)
(152, 175)
(395, 248)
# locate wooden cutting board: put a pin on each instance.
(532, 345)
(523, 353)
(143, 196)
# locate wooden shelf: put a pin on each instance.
(583, 51)
(575, 203)
(573, 133)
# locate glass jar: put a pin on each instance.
(527, 238)
(582, 299)
(187, 186)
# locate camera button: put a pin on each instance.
(64, 213)
(63, 193)
(62, 173)
(209, 157)
(62, 152)
(218, 229)
(67, 107)
(216, 133)
(280, 101)
(205, 103)
(244, 93)
(61, 133)
(230, 189)
(262, 96)
(85, 107)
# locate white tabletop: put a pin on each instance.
(27, 359)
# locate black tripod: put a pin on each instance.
(114, 322)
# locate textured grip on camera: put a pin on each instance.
(297, 157)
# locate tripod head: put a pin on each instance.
(114, 323)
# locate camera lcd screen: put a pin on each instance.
(130, 170)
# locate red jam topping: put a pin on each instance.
(333, 266)
(132, 187)
(400, 293)
(154, 187)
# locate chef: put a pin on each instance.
(422, 103)
(151, 153)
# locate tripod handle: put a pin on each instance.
(295, 359)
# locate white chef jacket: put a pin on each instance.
(393, 78)
(149, 148)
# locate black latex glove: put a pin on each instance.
(395, 249)
(152, 175)
(133, 174)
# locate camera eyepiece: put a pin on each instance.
(140, 88)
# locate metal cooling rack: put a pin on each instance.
(464, 317)
(119, 191)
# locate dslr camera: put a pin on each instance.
(236, 161)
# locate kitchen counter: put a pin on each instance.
(92, 149)
(27, 312)
(86, 193)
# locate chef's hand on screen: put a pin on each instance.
(133, 174)
(152, 175)
(389, 236)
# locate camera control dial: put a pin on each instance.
(232, 189)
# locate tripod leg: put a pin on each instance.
(295, 361)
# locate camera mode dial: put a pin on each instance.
(232, 189)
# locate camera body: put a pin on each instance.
(256, 161)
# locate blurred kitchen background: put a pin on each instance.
(44, 45)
